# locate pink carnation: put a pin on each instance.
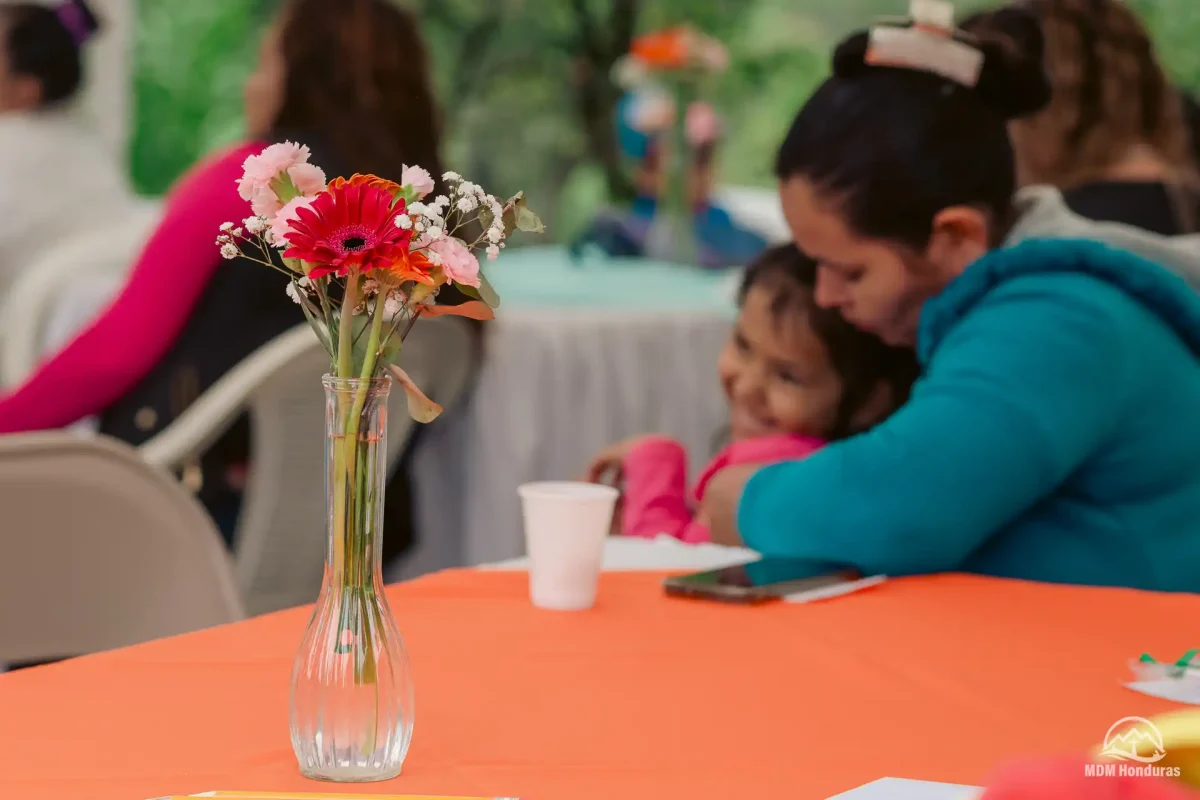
(258, 171)
(458, 261)
(309, 179)
(265, 203)
(419, 179)
(284, 219)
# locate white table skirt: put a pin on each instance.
(557, 386)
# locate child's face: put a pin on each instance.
(776, 374)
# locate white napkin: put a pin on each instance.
(904, 789)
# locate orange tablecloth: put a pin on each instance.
(645, 697)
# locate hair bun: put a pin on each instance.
(850, 57)
(1013, 80)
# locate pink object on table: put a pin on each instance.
(1066, 779)
(118, 349)
(656, 499)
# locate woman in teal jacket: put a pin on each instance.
(1055, 432)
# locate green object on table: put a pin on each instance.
(1181, 666)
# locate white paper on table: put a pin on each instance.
(904, 789)
(622, 553)
(1179, 690)
(837, 590)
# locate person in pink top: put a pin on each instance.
(329, 78)
(796, 376)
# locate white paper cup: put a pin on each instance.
(565, 527)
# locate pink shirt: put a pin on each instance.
(656, 499)
(115, 352)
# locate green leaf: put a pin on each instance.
(469, 291)
(519, 216)
(485, 217)
(486, 293)
(510, 213)
(528, 221)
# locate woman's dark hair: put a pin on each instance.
(1110, 91)
(895, 146)
(862, 361)
(357, 76)
(44, 43)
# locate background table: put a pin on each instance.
(939, 678)
(580, 356)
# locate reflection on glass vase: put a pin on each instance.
(352, 691)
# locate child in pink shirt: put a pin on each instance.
(796, 376)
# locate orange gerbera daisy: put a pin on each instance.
(669, 49)
(373, 181)
(413, 265)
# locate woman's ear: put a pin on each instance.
(960, 236)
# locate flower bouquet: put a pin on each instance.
(365, 258)
(666, 70)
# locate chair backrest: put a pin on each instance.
(280, 541)
(96, 257)
(101, 551)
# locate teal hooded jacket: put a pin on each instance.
(1054, 434)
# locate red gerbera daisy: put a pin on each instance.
(349, 226)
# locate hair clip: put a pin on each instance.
(928, 44)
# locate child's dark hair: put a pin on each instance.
(862, 361)
(895, 145)
(44, 43)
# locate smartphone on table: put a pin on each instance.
(760, 581)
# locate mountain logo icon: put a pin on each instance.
(1134, 739)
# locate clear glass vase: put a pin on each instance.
(352, 691)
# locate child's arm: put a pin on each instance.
(655, 499)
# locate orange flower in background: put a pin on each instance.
(680, 48)
(413, 265)
(667, 49)
(374, 181)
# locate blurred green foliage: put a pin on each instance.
(524, 83)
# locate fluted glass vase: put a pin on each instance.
(352, 691)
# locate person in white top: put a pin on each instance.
(57, 177)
